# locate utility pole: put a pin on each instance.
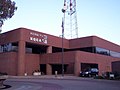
(63, 23)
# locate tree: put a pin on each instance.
(7, 9)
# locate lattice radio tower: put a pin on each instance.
(70, 19)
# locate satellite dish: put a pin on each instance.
(64, 9)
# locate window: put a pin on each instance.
(114, 54)
(8, 47)
(102, 51)
(88, 49)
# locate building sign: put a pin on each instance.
(36, 37)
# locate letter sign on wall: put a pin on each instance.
(38, 37)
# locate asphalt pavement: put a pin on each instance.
(47, 82)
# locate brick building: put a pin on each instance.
(24, 51)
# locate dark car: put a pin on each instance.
(89, 72)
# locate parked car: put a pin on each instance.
(89, 72)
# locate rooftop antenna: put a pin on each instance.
(70, 22)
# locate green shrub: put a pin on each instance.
(98, 77)
(1, 74)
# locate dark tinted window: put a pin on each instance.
(102, 51)
(88, 49)
(114, 54)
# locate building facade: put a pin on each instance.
(25, 51)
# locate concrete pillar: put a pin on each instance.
(49, 69)
(49, 49)
(21, 58)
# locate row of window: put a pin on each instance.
(8, 47)
(107, 52)
(102, 51)
(12, 47)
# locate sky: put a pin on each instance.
(95, 17)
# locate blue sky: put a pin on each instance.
(95, 17)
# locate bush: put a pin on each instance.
(117, 74)
(1, 74)
(98, 77)
(117, 78)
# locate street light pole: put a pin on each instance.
(62, 46)
(63, 23)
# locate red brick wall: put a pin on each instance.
(81, 42)
(99, 42)
(78, 57)
(11, 36)
(51, 58)
(93, 41)
(51, 40)
(8, 63)
(32, 63)
(24, 34)
(104, 62)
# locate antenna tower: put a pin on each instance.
(70, 19)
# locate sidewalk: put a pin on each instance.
(65, 77)
(58, 77)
